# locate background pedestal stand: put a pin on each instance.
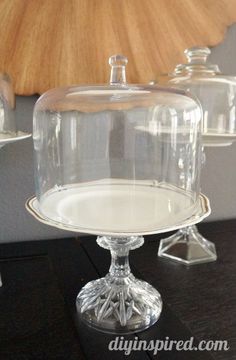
(188, 247)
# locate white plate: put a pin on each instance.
(6, 138)
(119, 210)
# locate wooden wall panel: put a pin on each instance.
(49, 43)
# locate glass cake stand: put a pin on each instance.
(107, 163)
(217, 95)
(119, 303)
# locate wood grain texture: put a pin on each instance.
(46, 44)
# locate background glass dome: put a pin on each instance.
(217, 95)
(7, 106)
(215, 91)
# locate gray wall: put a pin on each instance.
(17, 183)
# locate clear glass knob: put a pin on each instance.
(197, 55)
(197, 62)
(118, 69)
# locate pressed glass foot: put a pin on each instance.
(119, 303)
(188, 247)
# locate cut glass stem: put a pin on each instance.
(119, 303)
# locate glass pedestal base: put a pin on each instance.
(188, 247)
(119, 303)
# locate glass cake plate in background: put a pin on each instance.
(8, 138)
(218, 140)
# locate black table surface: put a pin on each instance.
(41, 280)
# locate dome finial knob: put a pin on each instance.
(197, 54)
(118, 72)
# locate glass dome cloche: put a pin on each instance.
(215, 91)
(8, 127)
(119, 161)
(217, 95)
